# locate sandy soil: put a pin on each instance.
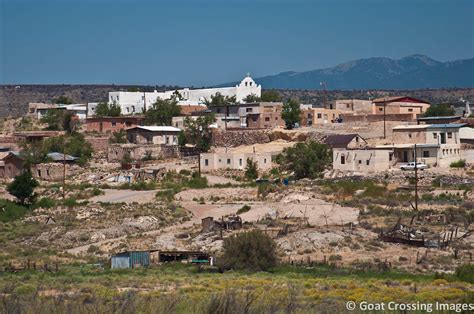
(125, 196)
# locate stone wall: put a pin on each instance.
(232, 138)
(99, 144)
(53, 171)
(115, 152)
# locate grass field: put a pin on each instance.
(185, 289)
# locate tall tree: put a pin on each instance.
(105, 110)
(220, 100)
(23, 187)
(305, 160)
(251, 98)
(439, 110)
(291, 113)
(198, 132)
(162, 112)
(270, 96)
(251, 170)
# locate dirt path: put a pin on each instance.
(125, 196)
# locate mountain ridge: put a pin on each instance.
(415, 71)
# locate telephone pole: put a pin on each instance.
(384, 118)
(416, 181)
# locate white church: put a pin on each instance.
(136, 102)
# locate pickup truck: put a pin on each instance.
(411, 166)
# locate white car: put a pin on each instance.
(411, 166)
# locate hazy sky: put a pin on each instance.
(204, 42)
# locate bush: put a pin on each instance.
(45, 202)
(244, 209)
(458, 164)
(70, 202)
(465, 273)
(305, 160)
(10, 211)
(252, 251)
(23, 187)
(251, 171)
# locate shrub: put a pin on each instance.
(458, 164)
(23, 187)
(244, 209)
(465, 273)
(251, 171)
(45, 202)
(10, 211)
(252, 251)
(70, 202)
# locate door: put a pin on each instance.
(405, 156)
(443, 138)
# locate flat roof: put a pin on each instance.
(446, 125)
(429, 126)
(406, 146)
(439, 118)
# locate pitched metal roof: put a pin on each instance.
(339, 140)
(60, 157)
(157, 128)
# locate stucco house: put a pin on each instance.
(163, 135)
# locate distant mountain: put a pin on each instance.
(412, 72)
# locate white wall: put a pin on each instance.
(133, 102)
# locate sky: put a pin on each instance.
(206, 42)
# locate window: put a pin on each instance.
(47, 172)
(248, 109)
(410, 109)
(409, 135)
(380, 109)
(267, 119)
(39, 173)
(319, 116)
(228, 161)
(357, 139)
(367, 162)
(133, 108)
(220, 160)
(450, 135)
(426, 154)
(246, 83)
(343, 160)
(114, 124)
(360, 161)
(348, 105)
(128, 123)
(435, 136)
(240, 162)
(206, 162)
(250, 83)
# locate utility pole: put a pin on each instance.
(416, 181)
(384, 118)
(323, 84)
(64, 172)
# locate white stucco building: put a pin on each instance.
(134, 102)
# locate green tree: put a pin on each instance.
(198, 132)
(59, 119)
(291, 113)
(251, 98)
(64, 100)
(305, 160)
(119, 137)
(182, 138)
(73, 144)
(270, 96)
(23, 187)
(439, 110)
(106, 110)
(220, 100)
(251, 170)
(252, 251)
(162, 112)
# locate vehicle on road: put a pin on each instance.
(411, 166)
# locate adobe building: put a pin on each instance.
(346, 141)
(112, 124)
(362, 160)
(317, 116)
(249, 115)
(11, 165)
(163, 135)
(353, 106)
(400, 105)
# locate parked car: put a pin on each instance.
(411, 166)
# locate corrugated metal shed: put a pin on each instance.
(130, 259)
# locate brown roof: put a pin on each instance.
(339, 140)
(399, 98)
(188, 110)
